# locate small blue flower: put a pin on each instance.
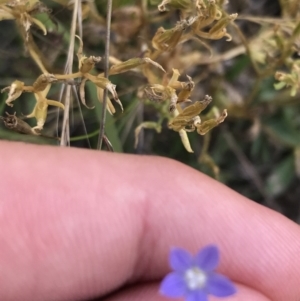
(194, 277)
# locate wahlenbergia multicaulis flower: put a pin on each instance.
(194, 278)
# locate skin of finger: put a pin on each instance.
(149, 293)
(76, 224)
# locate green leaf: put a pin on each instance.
(279, 86)
(281, 177)
(293, 91)
(283, 131)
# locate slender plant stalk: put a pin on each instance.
(65, 135)
(106, 67)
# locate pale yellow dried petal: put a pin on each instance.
(82, 94)
(104, 83)
(133, 63)
(207, 125)
(40, 113)
(145, 125)
(55, 103)
(177, 4)
(39, 24)
(147, 60)
(196, 108)
(185, 93)
(5, 15)
(80, 51)
(185, 141)
(174, 77)
(15, 90)
(110, 107)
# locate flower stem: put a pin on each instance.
(106, 67)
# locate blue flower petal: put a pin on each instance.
(196, 295)
(208, 258)
(220, 286)
(173, 285)
(180, 259)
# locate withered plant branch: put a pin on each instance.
(254, 91)
(247, 166)
(106, 69)
(35, 53)
(79, 21)
(206, 159)
(108, 144)
(271, 21)
(228, 55)
(65, 137)
(248, 51)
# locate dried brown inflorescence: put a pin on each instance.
(203, 19)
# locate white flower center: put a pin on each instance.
(195, 278)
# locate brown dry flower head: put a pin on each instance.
(167, 92)
(40, 109)
(85, 66)
(40, 89)
(168, 39)
(186, 119)
(22, 11)
(291, 80)
(217, 31)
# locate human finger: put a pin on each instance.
(148, 292)
(87, 223)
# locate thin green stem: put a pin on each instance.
(106, 69)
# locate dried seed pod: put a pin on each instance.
(12, 122)
(43, 81)
(88, 63)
